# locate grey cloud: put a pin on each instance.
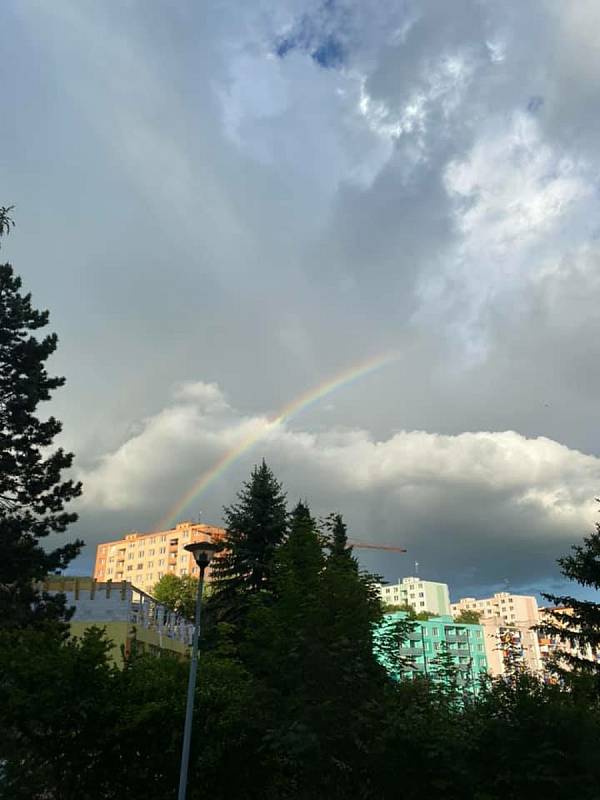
(195, 210)
(483, 499)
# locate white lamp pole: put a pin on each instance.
(203, 553)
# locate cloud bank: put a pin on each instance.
(254, 196)
(473, 502)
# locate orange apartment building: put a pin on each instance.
(143, 558)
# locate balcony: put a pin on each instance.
(457, 638)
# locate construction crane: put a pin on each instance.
(373, 546)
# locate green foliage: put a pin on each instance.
(390, 637)
(468, 617)
(255, 526)
(577, 622)
(337, 536)
(32, 494)
(291, 703)
(177, 592)
(509, 643)
(57, 707)
(445, 672)
(6, 221)
(529, 739)
(408, 610)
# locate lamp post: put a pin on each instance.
(203, 553)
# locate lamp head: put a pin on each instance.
(202, 552)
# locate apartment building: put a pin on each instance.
(552, 645)
(130, 617)
(143, 558)
(420, 594)
(429, 638)
(517, 642)
(509, 608)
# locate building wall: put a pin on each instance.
(512, 609)
(430, 637)
(552, 646)
(420, 594)
(524, 644)
(130, 617)
(143, 558)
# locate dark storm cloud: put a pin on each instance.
(262, 194)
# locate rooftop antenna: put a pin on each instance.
(416, 569)
(199, 517)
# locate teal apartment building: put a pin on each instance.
(420, 651)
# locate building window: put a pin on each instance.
(129, 567)
(435, 631)
(140, 566)
(421, 594)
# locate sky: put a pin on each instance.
(226, 205)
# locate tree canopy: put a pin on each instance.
(254, 527)
(33, 494)
(576, 622)
(177, 592)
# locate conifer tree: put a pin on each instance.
(577, 622)
(338, 536)
(255, 526)
(32, 493)
(444, 671)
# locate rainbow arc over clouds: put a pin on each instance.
(303, 401)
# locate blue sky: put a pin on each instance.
(226, 206)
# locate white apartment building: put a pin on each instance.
(511, 609)
(420, 594)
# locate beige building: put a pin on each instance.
(143, 558)
(511, 609)
(131, 618)
(507, 621)
(519, 639)
(421, 595)
(551, 646)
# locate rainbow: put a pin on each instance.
(306, 399)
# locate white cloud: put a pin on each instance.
(517, 202)
(431, 483)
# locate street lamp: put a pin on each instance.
(203, 553)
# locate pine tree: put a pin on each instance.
(509, 643)
(577, 622)
(32, 494)
(444, 671)
(255, 526)
(337, 532)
